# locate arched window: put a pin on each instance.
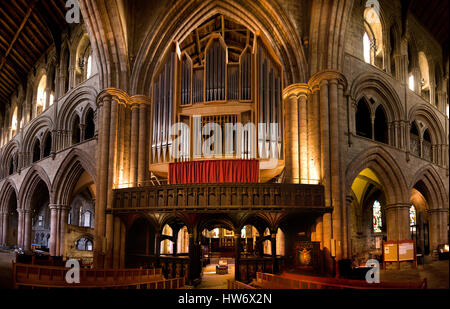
(367, 48)
(427, 151)
(373, 36)
(380, 125)
(84, 244)
(363, 120)
(377, 222)
(414, 140)
(76, 136)
(11, 165)
(87, 219)
(89, 67)
(47, 145)
(41, 95)
(424, 76)
(411, 82)
(89, 130)
(36, 150)
(14, 123)
(412, 218)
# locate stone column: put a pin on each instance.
(104, 108)
(123, 234)
(134, 143)
(397, 221)
(273, 243)
(20, 228)
(64, 211)
(237, 254)
(53, 229)
(142, 152)
(175, 241)
(292, 173)
(109, 229)
(4, 227)
(117, 240)
(314, 156)
(438, 227)
(27, 229)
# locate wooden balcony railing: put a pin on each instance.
(38, 276)
(224, 196)
(294, 281)
(237, 285)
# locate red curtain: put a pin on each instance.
(214, 171)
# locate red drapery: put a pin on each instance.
(214, 171)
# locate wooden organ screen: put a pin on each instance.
(215, 71)
(269, 105)
(163, 95)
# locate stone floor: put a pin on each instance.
(436, 272)
(211, 280)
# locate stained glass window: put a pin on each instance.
(412, 215)
(377, 223)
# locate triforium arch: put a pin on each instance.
(279, 34)
(376, 91)
(425, 119)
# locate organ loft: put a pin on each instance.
(272, 136)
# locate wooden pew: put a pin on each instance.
(38, 276)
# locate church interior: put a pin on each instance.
(224, 144)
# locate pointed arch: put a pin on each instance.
(427, 116)
(85, 97)
(367, 82)
(436, 191)
(261, 16)
(8, 188)
(384, 166)
(34, 175)
(70, 170)
(37, 129)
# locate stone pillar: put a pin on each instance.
(397, 221)
(64, 211)
(117, 241)
(4, 227)
(20, 228)
(109, 229)
(292, 173)
(438, 227)
(53, 229)
(175, 241)
(237, 254)
(27, 229)
(142, 153)
(314, 156)
(104, 108)
(273, 243)
(123, 234)
(134, 143)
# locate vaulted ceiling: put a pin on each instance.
(27, 29)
